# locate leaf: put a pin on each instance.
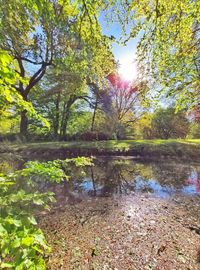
(13, 221)
(32, 220)
(38, 201)
(95, 252)
(7, 265)
(27, 241)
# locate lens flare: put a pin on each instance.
(127, 69)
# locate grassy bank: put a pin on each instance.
(183, 149)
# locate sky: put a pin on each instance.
(124, 54)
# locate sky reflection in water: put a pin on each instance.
(123, 176)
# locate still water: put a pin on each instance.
(122, 176)
(125, 176)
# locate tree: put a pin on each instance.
(62, 89)
(143, 127)
(168, 50)
(121, 104)
(38, 34)
(10, 100)
(194, 132)
(168, 124)
(116, 105)
(195, 113)
(66, 85)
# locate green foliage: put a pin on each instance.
(168, 124)
(168, 50)
(64, 35)
(45, 171)
(143, 127)
(22, 243)
(75, 167)
(194, 131)
(79, 122)
(162, 124)
(8, 123)
(8, 77)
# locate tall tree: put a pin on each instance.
(60, 91)
(38, 33)
(117, 103)
(124, 99)
(68, 83)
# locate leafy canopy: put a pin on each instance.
(168, 50)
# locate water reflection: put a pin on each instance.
(116, 176)
(193, 183)
(119, 176)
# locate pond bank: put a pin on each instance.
(149, 149)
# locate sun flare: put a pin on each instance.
(127, 69)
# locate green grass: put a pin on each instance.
(108, 143)
(111, 144)
(188, 148)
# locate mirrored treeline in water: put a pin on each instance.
(124, 176)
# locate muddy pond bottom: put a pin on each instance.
(126, 215)
(132, 233)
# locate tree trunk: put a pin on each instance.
(24, 117)
(66, 115)
(62, 121)
(94, 114)
(57, 117)
(64, 126)
(24, 124)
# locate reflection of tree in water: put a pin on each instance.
(112, 176)
(122, 176)
(172, 174)
(117, 176)
(166, 175)
(194, 180)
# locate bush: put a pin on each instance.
(194, 131)
(22, 244)
(92, 136)
(11, 137)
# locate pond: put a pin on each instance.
(123, 213)
(117, 176)
(112, 176)
(127, 214)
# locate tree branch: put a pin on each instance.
(36, 78)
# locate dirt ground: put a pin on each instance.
(135, 232)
